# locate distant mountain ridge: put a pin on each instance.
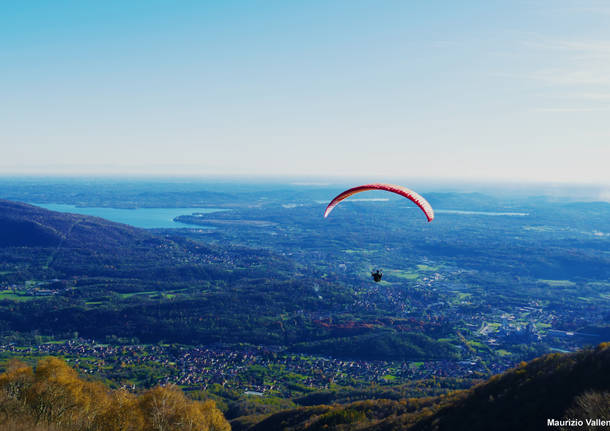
(22, 224)
(81, 245)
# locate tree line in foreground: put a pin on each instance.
(52, 397)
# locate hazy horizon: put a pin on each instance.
(573, 191)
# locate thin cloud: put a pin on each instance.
(594, 96)
(596, 10)
(584, 76)
(571, 109)
(585, 62)
(579, 76)
(589, 47)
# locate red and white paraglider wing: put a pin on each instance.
(400, 190)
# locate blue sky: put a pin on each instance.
(476, 90)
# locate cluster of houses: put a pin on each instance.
(200, 367)
(35, 288)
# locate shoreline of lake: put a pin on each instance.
(146, 218)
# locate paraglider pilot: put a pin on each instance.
(377, 275)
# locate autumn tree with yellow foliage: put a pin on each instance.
(53, 397)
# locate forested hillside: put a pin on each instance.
(51, 396)
(554, 386)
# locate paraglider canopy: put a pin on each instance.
(400, 190)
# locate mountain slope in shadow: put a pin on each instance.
(552, 387)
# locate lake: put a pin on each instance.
(147, 218)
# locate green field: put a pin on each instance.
(407, 275)
(428, 268)
(15, 297)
